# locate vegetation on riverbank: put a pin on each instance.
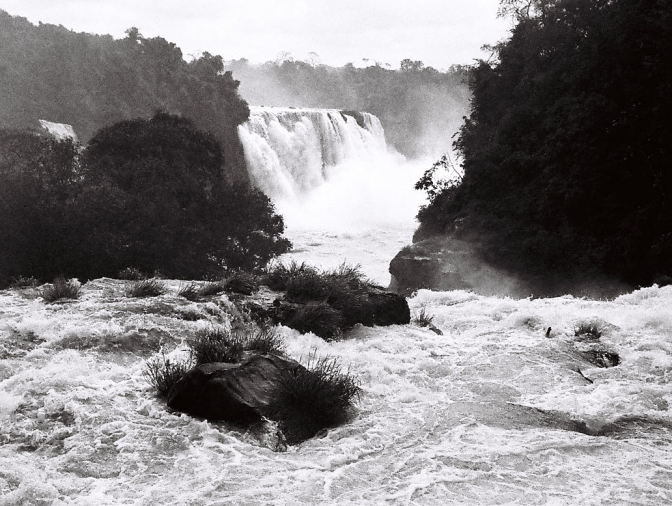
(143, 196)
(92, 81)
(566, 151)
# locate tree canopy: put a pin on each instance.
(90, 81)
(148, 194)
(566, 150)
(416, 105)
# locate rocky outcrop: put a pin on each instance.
(442, 263)
(372, 306)
(241, 393)
(264, 386)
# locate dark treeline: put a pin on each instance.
(90, 81)
(416, 104)
(567, 150)
(147, 194)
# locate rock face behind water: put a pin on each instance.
(239, 393)
(443, 263)
(372, 306)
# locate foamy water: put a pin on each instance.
(491, 412)
(442, 420)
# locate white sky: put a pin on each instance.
(438, 32)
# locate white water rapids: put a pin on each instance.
(491, 412)
(442, 419)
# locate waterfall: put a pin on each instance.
(290, 152)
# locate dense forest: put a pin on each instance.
(91, 81)
(416, 104)
(566, 152)
(147, 194)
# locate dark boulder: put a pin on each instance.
(443, 263)
(263, 385)
(240, 393)
(369, 306)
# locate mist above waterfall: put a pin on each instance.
(344, 195)
(419, 107)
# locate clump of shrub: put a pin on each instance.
(241, 282)
(305, 283)
(323, 302)
(222, 345)
(131, 274)
(423, 318)
(195, 291)
(588, 330)
(319, 318)
(189, 291)
(146, 288)
(278, 275)
(23, 282)
(61, 289)
(308, 400)
(210, 288)
(163, 374)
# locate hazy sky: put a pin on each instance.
(438, 32)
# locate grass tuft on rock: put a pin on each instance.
(190, 291)
(163, 374)
(319, 396)
(241, 282)
(61, 289)
(210, 288)
(588, 330)
(221, 345)
(277, 276)
(146, 288)
(23, 282)
(423, 318)
(319, 318)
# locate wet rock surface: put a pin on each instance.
(239, 393)
(443, 264)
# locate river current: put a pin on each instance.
(497, 409)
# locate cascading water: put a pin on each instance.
(510, 405)
(291, 151)
(336, 183)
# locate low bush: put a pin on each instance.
(319, 396)
(305, 283)
(190, 291)
(162, 373)
(131, 274)
(221, 345)
(23, 282)
(278, 275)
(146, 288)
(210, 288)
(241, 282)
(308, 285)
(61, 289)
(319, 318)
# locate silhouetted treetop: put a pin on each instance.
(89, 81)
(566, 150)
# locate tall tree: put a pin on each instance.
(566, 150)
